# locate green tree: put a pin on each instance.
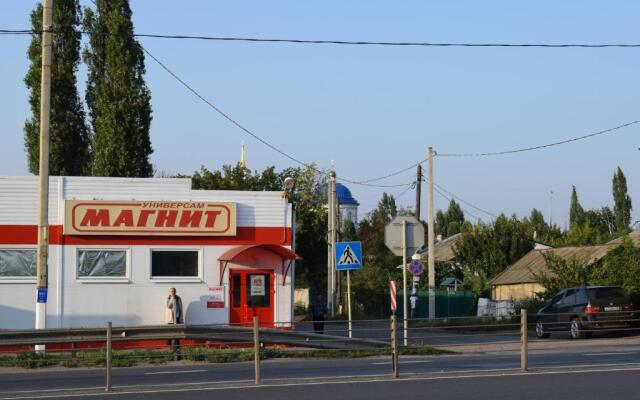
(69, 137)
(563, 273)
(450, 222)
(576, 212)
(622, 202)
(117, 96)
(349, 232)
(485, 250)
(238, 177)
(621, 266)
(309, 199)
(538, 229)
(598, 227)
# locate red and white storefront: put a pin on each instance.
(118, 244)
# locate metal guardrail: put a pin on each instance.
(198, 332)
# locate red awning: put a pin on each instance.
(283, 252)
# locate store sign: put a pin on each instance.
(149, 218)
(215, 297)
(257, 285)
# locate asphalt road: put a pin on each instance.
(177, 375)
(620, 384)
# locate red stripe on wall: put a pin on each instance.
(28, 235)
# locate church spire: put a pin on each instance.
(243, 155)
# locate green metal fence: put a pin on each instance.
(448, 304)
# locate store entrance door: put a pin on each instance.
(252, 294)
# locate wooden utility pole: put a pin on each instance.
(418, 189)
(331, 242)
(431, 238)
(43, 214)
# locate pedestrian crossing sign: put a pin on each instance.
(348, 255)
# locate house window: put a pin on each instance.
(17, 263)
(102, 263)
(174, 263)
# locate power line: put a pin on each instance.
(394, 173)
(409, 187)
(222, 113)
(575, 139)
(463, 200)
(449, 199)
(353, 42)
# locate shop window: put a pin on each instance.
(166, 263)
(17, 263)
(102, 264)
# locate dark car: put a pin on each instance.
(582, 310)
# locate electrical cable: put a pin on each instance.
(355, 42)
(464, 201)
(575, 139)
(449, 199)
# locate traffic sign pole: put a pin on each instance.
(349, 303)
(405, 308)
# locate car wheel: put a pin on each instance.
(540, 331)
(576, 329)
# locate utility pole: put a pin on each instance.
(405, 307)
(338, 277)
(43, 215)
(331, 242)
(431, 238)
(418, 188)
(551, 208)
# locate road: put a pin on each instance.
(48, 382)
(586, 384)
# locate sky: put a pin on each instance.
(374, 110)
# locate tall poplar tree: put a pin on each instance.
(621, 202)
(576, 212)
(69, 137)
(117, 96)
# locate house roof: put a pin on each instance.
(523, 270)
(634, 236)
(444, 248)
(451, 281)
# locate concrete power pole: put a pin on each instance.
(418, 189)
(331, 242)
(431, 238)
(43, 215)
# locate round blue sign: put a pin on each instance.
(416, 267)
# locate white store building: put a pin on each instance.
(118, 244)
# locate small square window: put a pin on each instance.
(17, 263)
(174, 263)
(102, 263)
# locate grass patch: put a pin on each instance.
(97, 358)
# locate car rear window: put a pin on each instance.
(608, 294)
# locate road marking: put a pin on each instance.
(403, 362)
(250, 386)
(609, 354)
(191, 371)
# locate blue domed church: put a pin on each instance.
(348, 205)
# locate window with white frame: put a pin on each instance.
(101, 263)
(175, 263)
(17, 263)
